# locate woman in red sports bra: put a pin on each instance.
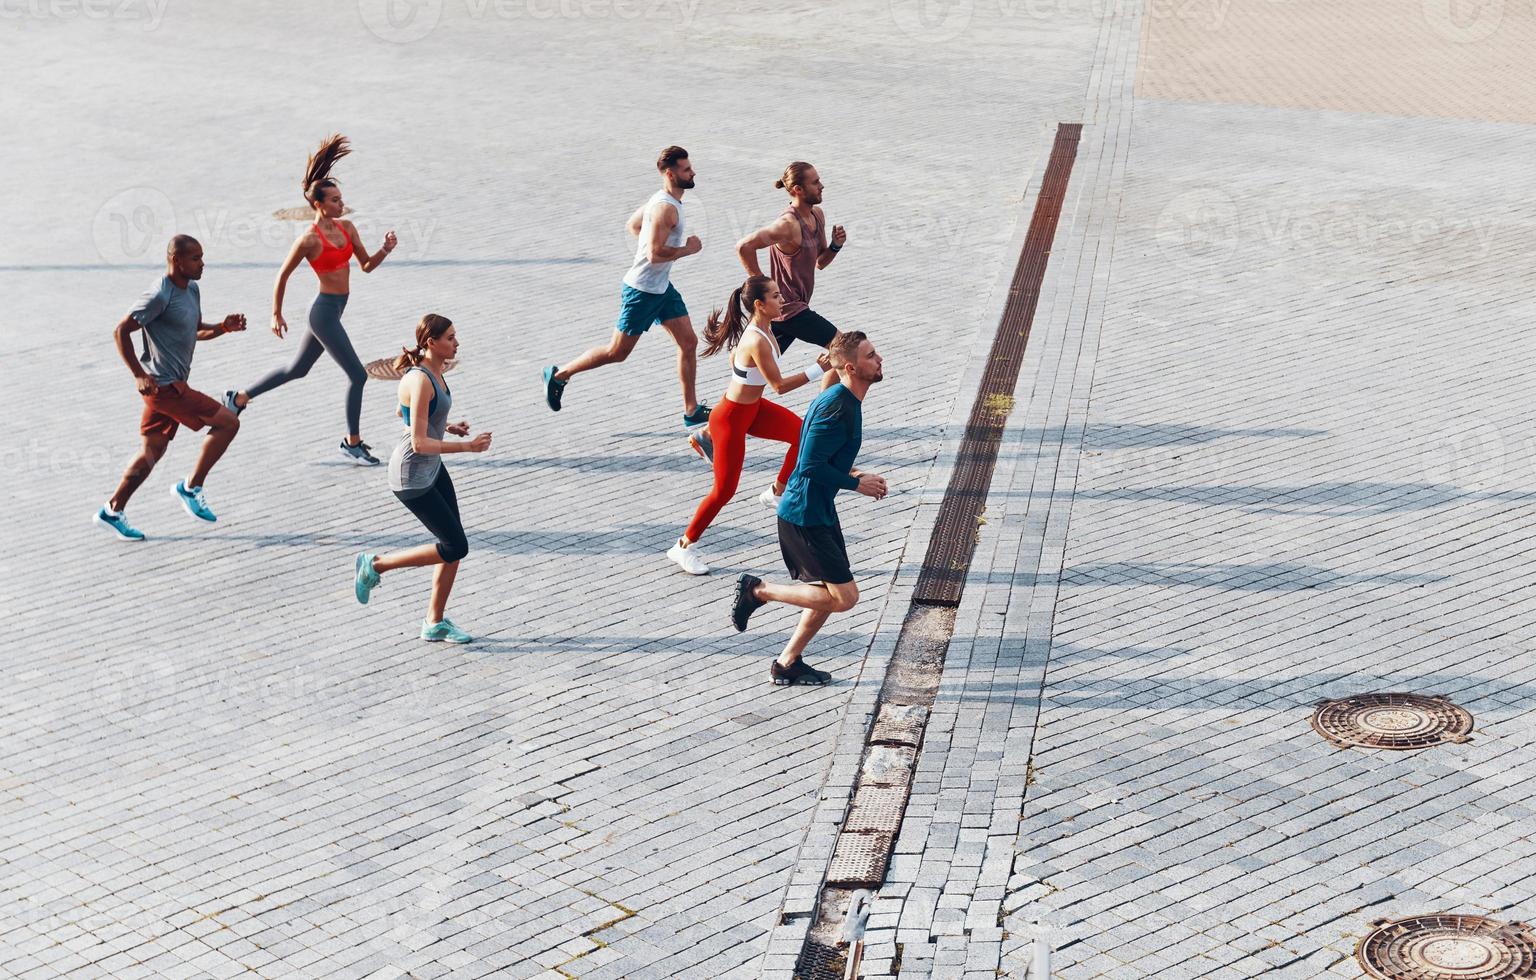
(328, 246)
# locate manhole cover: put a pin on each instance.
(1448, 947)
(384, 368)
(1392, 721)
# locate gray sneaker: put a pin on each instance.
(231, 404)
(358, 454)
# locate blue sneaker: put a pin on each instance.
(553, 390)
(443, 632)
(231, 403)
(698, 418)
(118, 523)
(192, 499)
(365, 579)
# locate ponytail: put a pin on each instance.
(724, 331)
(317, 172)
(431, 327)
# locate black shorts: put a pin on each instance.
(807, 325)
(814, 554)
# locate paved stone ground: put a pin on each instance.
(214, 761)
(1270, 447)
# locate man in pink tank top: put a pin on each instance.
(797, 246)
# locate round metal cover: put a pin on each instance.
(1448, 947)
(1392, 721)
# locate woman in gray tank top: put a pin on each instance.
(419, 478)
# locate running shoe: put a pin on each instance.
(769, 499)
(688, 559)
(746, 603)
(231, 404)
(698, 418)
(443, 632)
(365, 578)
(702, 444)
(118, 523)
(553, 390)
(798, 672)
(359, 454)
(192, 499)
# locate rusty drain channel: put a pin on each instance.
(891, 748)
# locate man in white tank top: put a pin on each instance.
(648, 296)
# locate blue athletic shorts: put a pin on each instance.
(639, 311)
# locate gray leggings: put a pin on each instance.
(325, 333)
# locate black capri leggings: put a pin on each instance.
(438, 511)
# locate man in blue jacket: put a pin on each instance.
(810, 537)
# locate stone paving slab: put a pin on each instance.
(215, 762)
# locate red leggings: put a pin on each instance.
(729, 425)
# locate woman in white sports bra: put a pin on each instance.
(746, 330)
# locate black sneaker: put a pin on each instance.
(746, 603)
(698, 418)
(798, 672)
(359, 453)
(553, 389)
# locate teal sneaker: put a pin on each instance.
(118, 524)
(365, 578)
(192, 499)
(553, 389)
(696, 419)
(443, 632)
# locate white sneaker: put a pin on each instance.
(688, 559)
(770, 499)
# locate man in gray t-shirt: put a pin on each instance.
(170, 315)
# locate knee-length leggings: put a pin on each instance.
(729, 425)
(326, 334)
(438, 511)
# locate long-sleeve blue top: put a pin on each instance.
(829, 441)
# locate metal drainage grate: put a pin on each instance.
(818, 962)
(859, 861)
(877, 808)
(1448, 947)
(1392, 721)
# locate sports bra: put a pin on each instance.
(751, 375)
(331, 257)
